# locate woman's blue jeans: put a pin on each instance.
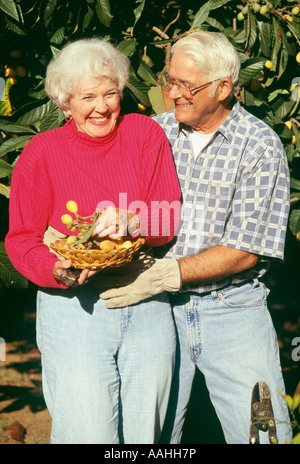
(229, 336)
(106, 373)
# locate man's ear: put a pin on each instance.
(224, 89)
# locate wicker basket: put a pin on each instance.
(83, 257)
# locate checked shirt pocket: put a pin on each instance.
(247, 296)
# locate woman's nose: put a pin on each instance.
(101, 105)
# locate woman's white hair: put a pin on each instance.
(213, 54)
(83, 61)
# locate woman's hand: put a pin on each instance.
(117, 223)
(70, 278)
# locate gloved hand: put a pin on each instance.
(140, 279)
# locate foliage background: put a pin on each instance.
(32, 31)
(266, 35)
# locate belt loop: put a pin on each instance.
(256, 283)
(214, 295)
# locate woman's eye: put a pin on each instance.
(112, 94)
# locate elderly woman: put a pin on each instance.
(106, 373)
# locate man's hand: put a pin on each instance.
(141, 279)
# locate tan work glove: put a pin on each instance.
(139, 280)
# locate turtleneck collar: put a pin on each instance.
(86, 139)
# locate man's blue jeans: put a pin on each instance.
(106, 373)
(229, 336)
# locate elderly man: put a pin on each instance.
(234, 180)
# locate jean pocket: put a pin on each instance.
(247, 296)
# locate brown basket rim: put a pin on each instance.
(96, 259)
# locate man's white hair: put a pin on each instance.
(215, 56)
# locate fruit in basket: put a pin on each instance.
(107, 245)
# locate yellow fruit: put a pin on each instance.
(13, 80)
(142, 107)
(72, 207)
(71, 240)
(263, 10)
(66, 219)
(294, 139)
(127, 244)
(15, 53)
(288, 124)
(10, 72)
(21, 72)
(256, 7)
(240, 17)
(295, 10)
(268, 64)
(107, 245)
(298, 57)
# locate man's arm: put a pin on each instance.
(215, 264)
(143, 279)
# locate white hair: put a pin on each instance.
(213, 54)
(84, 60)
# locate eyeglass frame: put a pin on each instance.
(167, 77)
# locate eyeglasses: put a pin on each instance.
(183, 88)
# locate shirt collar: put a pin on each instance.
(225, 128)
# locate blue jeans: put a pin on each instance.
(106, 373)
(229, 336)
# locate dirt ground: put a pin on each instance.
(24, 418)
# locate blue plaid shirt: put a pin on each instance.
(235, 192)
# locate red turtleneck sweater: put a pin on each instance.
(133, 163)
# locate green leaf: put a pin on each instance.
(283, 109)
(36, 114)
(5, 169)
(294, 221)
(159, 101)
(127, 47)
(8, 274)
(295, 183)
(103, 12)
(146, 74)
(4, 190)
(49, 11)
(265, 38)
(13, 144)
(201, 15)
(251, 24)
(139, 89)
(252, 69)
(5, 105)
(276, 92)
(58, 37)
(9, 8)
(53, 120)
(214, 23)
(15, 128)
(138, 10)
